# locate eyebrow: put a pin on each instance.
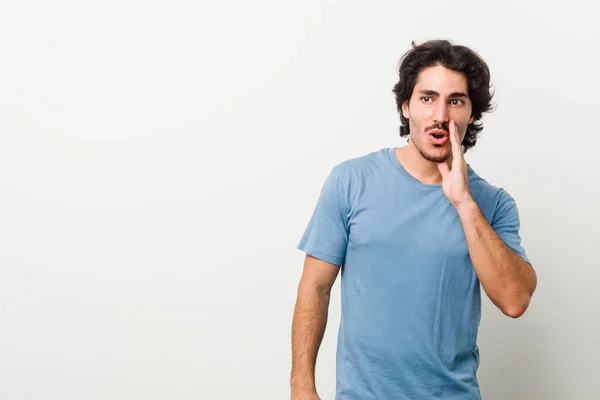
(434, 93)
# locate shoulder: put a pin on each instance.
(360, 166)
(350, 176)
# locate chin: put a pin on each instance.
(436, 154)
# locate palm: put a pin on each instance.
(455, 181)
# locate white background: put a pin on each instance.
(159, 162)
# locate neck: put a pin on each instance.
(422, 169)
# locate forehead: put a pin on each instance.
(442, 80)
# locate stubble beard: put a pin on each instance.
(433, 157)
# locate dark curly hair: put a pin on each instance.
(457, 58)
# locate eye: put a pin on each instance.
(456, 102)
(426, 99)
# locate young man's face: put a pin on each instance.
(440, 95)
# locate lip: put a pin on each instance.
(441, 140)
(439, 132)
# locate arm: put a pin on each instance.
(308, 325)
(508, 280)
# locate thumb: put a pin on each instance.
(443, 167)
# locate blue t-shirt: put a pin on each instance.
(411, 302)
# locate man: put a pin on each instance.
(415, 231)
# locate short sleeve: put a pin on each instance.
(326, 235)
(506, 223)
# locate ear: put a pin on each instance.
(471, 120)
(405, 110)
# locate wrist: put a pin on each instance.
(467, 205)
(303, 391)
(306, 386)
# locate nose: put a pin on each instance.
(440, 113)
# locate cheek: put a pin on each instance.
(462, 121)
(462, 115)
(420, 116)
(462, 132)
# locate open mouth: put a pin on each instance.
(438, 138)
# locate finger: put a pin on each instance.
(443, 167)
(455, 141)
